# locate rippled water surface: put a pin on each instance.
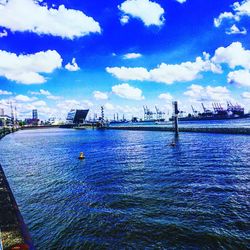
(133, 190)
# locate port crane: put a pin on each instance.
(206, 111)
(159, 114)
(148, 114)
(194, 111)
(235, 109)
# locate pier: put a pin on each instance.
(13, 231)
(214, 130)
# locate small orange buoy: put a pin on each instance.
(82, 156)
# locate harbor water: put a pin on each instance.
(133, 190)
(230, 123)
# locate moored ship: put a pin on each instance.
(218, 113)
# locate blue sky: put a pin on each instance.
(58, 55)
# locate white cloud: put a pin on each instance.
(53, 97)
(86, 104)
(167, 73)
(226, 15)
(124, 73)
(27, 69)
(24, 106)
(126, 91)
(124, 19)
(132, 56)
(246, 95)
(3, 33)
(186, 71)
(109, 106)
(40, 92)
(45, 93)
(243, 8)
(29, 15)
(149, 12)
(239, 10)
(239, 77)
(166, 97)
(72, 66)
(234, 55)
(24, 98)
(74, 104)
(63, 107)
(39, 103)
(208, 93)
(4, 92)
(181, 1)
(98, 95)
(235, 30)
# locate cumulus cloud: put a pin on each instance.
(235, 30)
(64, 106)
(225, 15)
(98, 95)
(239, 77)
(74, 104)
(199, 93)
(234, 55)
(72, 66)
(3, 33)
(149, 12)
(187, 71)
(27, 69)
(30, 15)
(166, 97)
(239, 10)
(246, 95)
(123, 73)
(132, 56)
(4, 92)
(126, 91)
(242, 9)
(24, 98)
(167, 73)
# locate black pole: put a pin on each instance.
(175, 118)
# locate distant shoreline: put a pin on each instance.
(212, 130)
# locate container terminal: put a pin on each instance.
(217, 113)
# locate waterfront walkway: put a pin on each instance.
(215, 130)
(4, 131)
(14, 234)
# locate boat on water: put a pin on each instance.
(218, 113)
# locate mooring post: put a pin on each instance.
(175, 117)
(102, 116)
